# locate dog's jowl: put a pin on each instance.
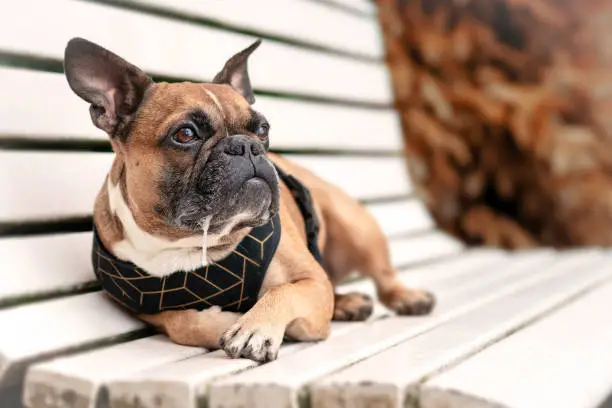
(203, 233)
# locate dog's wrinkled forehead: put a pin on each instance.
(169, 103)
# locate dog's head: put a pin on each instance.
(190, 153)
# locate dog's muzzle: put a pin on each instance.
(249, 170)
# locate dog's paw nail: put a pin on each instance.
(364, 312)
(233, 352)
(270, 356)
(420, 308)
(255, 345)
(414, 303)
(353, 307)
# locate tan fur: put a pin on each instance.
(297, 296)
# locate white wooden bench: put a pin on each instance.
(530, 329)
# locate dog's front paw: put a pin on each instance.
(258, 343)
(405, 301)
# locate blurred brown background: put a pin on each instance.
(506, 107)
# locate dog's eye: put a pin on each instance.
(262, 131)
(184, 135)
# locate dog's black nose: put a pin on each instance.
(239, 145)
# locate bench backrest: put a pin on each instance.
(319, 77)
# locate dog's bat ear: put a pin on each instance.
(112, 86)
(235, 73)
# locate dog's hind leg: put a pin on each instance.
(355, 243)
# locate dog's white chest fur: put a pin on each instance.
(158, 256)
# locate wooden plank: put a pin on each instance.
(182, 383)
(45, 329)
(423, 247)
(307, 125)
(563, 360)
(55, 378)
(295, 124)
(402, 217)
(62, 116)
(179, 383)
(391, 375)
(36, 266)
(64, 184)
(92, 368)
(445, 272)
(168, 47)
(39, 186)
(362, 177)
(279, 384)
(85, 375)
(293, 21)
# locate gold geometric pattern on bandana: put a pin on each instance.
(220, 283)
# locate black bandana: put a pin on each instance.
(232, 283)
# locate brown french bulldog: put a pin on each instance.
(202, 233)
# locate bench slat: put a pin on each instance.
(165, 46)
(63, 263)
(361, 177)
(360, 36)
(402, 217)
(563, 360)
(98, 365)
(45, 329)
(42, 266)
(278, 384)
(424, 247)
(184, 384)
(92, 370)
(52, 371)
(450, 270)
(390, 375)
(180, 384)
(41, 186)
(52, 185)
(308, 125)
(295, 124)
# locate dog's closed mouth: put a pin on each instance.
(257, 188)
